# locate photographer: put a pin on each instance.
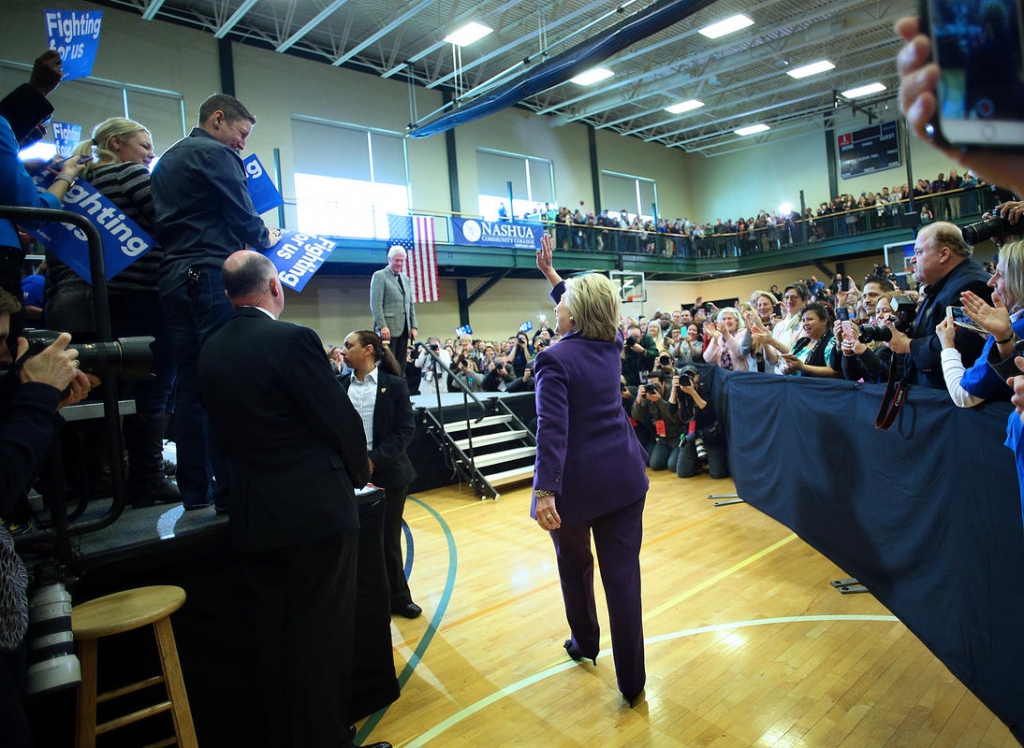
(703, 436)
(638, 353)
(520, 356)
(942, 261)
(32, 390)
(498, 377)
(658, 427)
(525, 383)
(429, 384)
(467, 373)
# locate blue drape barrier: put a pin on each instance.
(927, 515)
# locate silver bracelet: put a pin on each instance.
(64, 178)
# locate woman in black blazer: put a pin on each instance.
(380, 395)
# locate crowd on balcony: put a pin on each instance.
(947, 197)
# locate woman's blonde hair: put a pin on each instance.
(593, 301)
(734, 312)
(99, 144)
(1011, 262)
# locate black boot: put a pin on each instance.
(144, 440)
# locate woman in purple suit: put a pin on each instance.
(589, 476)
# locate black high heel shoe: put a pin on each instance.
(634, 699)
(575, 653)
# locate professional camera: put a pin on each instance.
(904, 309)
(665, 360)
(997, 226)
(685, 381)
(654, 388)
(51, 643)
(435, 347)
(125, 358)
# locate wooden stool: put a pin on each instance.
(115, 614)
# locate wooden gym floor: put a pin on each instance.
(747, 643)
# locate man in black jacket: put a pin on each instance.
(296, 449)
(942, 261)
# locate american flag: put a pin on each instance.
(416, 235)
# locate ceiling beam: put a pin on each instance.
(151, 10)
(387, 29)
(237, 16)
(312, 24)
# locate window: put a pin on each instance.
(532, 184)
(348, 178)
(89, 101)
(635, 195)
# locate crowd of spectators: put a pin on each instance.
(945, 198)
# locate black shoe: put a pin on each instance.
(194, 507)
(575, 654)
(634, 699)
(381, 744)
(154, 490)
(409, 610)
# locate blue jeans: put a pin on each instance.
(195, 311)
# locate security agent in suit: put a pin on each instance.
(942, 260)
(296, 449)
(391, 303)
(380, 395)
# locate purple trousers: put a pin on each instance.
(617, 537)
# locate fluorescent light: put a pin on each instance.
(813, 69)
(752, 129)
(870, 88)
(684, 106)
(468, 34)
(728, 26)
(592, 76)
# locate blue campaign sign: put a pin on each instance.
(298, 256)
(66, 137)
(123, 241)
(472, 233)
(75, 34)
(262, 189)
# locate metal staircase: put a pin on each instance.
(494, 450)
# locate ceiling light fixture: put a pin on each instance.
(728, 26)
(471, 32)
(751, 130)
(860, 91)
(812, 69)
(592, 76)
(684, 106)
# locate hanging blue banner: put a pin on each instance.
(123, 241)
(262, 190)
(298, 256)
(66, 137)
(470, 232)
(75, 35)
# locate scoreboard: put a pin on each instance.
(868, 150)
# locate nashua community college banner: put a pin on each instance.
(470, 232)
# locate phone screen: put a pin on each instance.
(981, 89)
(961, 319)
(842, 313)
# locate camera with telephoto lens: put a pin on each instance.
(435, 347)
(125, 358)
(997, 226)
(685, 381)
(904, 310)
(53, 665)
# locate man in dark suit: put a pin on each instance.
(942, 261)
(392, 306)
(296, 450)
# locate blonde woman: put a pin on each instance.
(724, 337)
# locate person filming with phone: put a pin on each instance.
(942, 263)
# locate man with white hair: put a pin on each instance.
(391, 303)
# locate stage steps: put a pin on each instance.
(495, 451)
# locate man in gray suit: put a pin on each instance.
(391, 303)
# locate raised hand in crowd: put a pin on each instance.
(47, 72)
(946, 332)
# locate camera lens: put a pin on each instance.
(51, 643)
(871, 334)
(976, 233)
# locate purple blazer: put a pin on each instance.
(587, 451)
